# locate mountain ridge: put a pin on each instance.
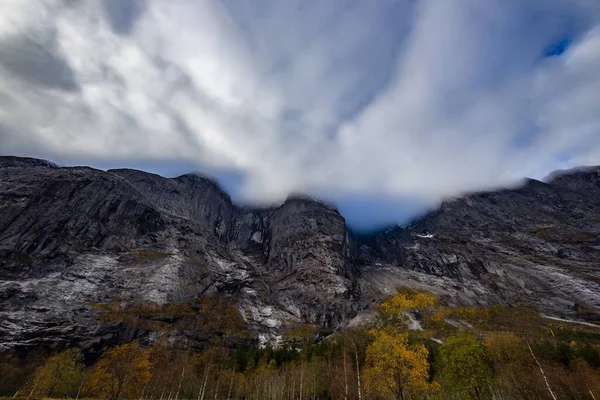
(76, 236)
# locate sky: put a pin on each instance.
(383, 108)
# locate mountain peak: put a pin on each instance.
(23, 162)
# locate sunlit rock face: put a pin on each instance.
(75, 238)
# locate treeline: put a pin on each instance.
(460, 353)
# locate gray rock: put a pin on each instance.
(538, 243)
(74, 237)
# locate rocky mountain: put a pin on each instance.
(74, 240)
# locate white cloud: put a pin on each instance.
(396, 98)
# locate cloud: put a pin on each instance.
(394, 99)
(122, 15)
(39, 63)
(469, 106)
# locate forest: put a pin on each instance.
(497, 352)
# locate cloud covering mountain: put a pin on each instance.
(402, 100)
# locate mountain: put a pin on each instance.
(79, 245)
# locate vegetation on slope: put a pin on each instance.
(497, 352)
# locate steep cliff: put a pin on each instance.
(73, 240)
(537, 243)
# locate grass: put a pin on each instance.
(303, 332)
(208, 314)
(558, 235)
(198, 262)
(144, 315)
(146, 256)
(583, 310)
(522, 320)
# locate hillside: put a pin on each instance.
(94, 258)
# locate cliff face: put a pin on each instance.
(538, 243)
(74, 237)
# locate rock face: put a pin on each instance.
(74, 237)
(538, 243)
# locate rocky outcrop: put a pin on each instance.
(75, 238)
(538, 243)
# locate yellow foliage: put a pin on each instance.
(392, 312)
(403, 301)
(424, 300)
(439, 316)
(122, 371)
(394, 368)
(505, 349)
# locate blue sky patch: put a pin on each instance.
(557, 48)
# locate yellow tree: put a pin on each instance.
(60, 375)
(392, 312)
(122, 371)
(394, 368)
(404, 301)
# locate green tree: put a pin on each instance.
(12, 377)
(60, 375)
(464, 367)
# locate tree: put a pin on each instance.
(357, 341)
(396, 369)
(464, 367)
(587, 379)
(122, 371)
(392, 312)
(60, 375)
(14, 372)
(515, 376)
(405, 301)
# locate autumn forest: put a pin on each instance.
(497, 352)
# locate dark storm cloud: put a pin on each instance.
(121, 14)
(38, 63)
